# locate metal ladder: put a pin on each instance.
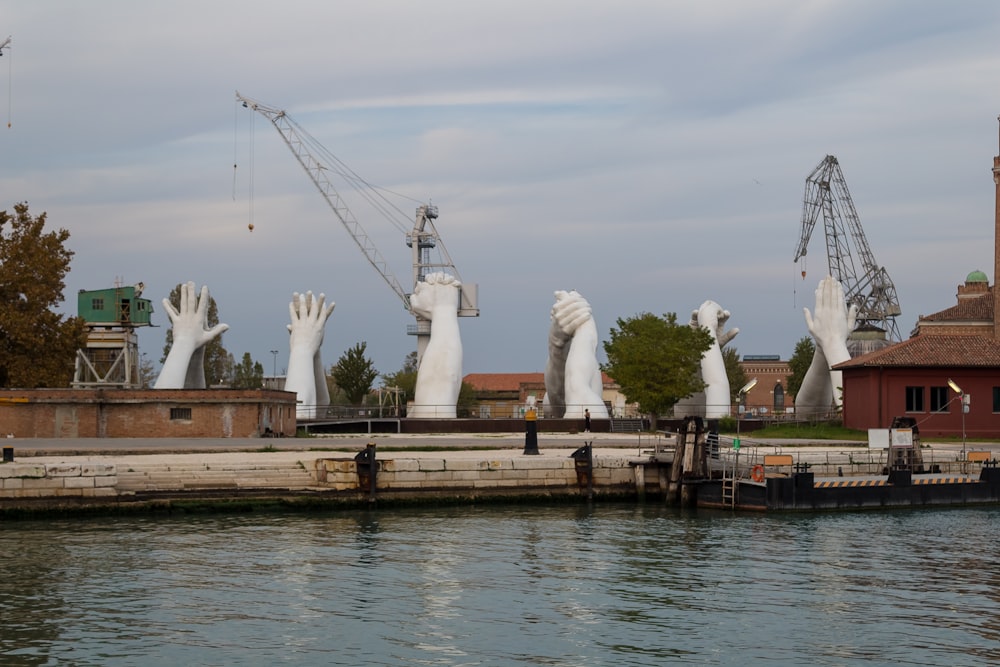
(729, 485)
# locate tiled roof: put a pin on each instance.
(938, 350)
(979, 309)
(512, 381)
(502, 381)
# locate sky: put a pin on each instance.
(651, 154)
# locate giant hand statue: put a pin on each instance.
(711, 316)
(306, 376)
(714, 400)
(439, 376)
(573, 382)
(185, 364)
(830, 323)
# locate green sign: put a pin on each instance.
(736, 443)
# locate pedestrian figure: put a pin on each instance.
(586, 421)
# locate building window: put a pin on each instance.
(914, 399)
(180, 414)
(996, 399)
(940, 399)
(97, 303)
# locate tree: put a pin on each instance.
(656, 361)
(355, 374)
(405, 378)
(147, 374)
(737, 376)
(217, 366)
(467, 400)
(799, 363)
(37, 346)
(248, 374)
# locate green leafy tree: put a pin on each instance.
(37, 346)
(405, 378)
(248, 374)
(656, 361)
(355, 374)
(467, 401)
(737, 376)
(799, 363)
(218, 366)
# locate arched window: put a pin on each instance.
(779, 398)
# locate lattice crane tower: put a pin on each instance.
(866, 284)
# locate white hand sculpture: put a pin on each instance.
(573, 382)
(830, 324)
(713, 401)
(711, 316)
(439, 376)
(306, 376)
(184, 367)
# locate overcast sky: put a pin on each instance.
(649, 154)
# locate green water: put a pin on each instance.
(614, 584)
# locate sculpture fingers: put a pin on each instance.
(809, 321)
(728, 336)
(217, 330)
(171, 311)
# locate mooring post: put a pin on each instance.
(531, 430)
(367, 467)
(677, 465)
(583, 461)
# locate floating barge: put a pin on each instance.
(804, 491)
(700, 471)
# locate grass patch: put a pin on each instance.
(819, 431)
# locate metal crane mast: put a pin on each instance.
(865, 284)
(421, 239)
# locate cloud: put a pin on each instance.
(651, 155)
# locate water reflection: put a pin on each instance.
(582, 585)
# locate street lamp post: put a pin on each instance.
(963, 400)
(274, 366)
(739, 403)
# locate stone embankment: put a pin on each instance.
(124, 476)
(133, 481)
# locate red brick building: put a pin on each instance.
(150, 413)
(960, 344)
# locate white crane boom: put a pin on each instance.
(421, 238)
(297, 140)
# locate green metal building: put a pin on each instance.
(111, 358)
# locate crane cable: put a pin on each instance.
(236, 123)
(10, 79)
(236, 143)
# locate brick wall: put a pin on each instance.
(154, 413)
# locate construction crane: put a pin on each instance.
(866, 285)
(421, 239)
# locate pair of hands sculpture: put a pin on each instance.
(714, 400)
(573, 382)
(184, 367)
(829, 323)
(438, 381)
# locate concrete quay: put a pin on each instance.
(134, 475)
